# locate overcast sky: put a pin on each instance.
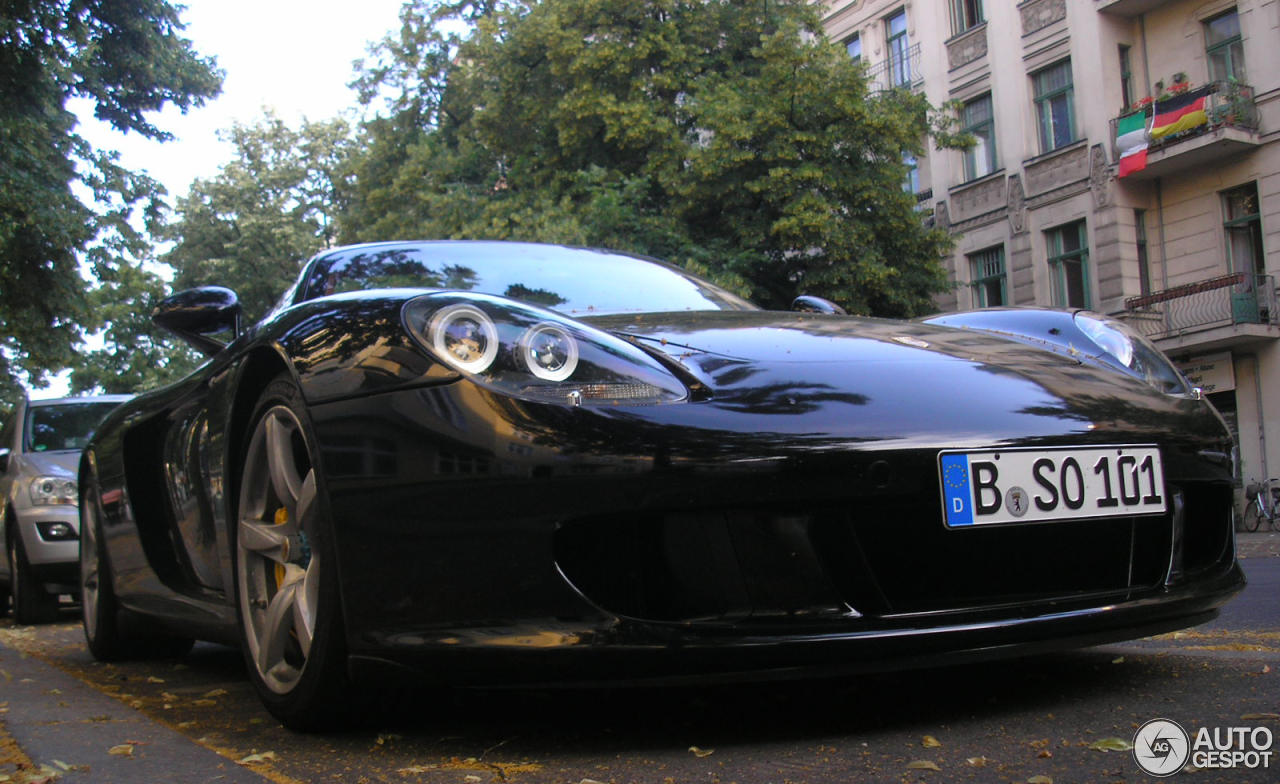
(292, 55)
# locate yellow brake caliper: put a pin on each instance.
(282, 517)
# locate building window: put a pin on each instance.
(1069, 265)
(1054, 106)
(912, 183)
(899, 50)
(1243, 227)
(1127, 96)
(1224, 48)
(977, 118)
(965, 15)
(1144, 263)
(854, 47)
(986, 270)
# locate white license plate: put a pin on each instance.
(1003, 486)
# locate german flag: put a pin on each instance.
(1180, 113)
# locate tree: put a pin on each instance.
(128, 59)
(266, 211)
(728, 136)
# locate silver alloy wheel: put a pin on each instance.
(278, 572)
(90, 569)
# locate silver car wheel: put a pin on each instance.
(278, 571)
(90, 571)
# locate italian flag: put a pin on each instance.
(1180, 113)
(1131, 141)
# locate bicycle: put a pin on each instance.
(1263, 503)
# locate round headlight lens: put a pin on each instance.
(465, 337)
(549, 352)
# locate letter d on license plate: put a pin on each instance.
(1003, 486)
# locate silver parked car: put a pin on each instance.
(40, 520)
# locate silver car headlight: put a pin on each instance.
(530, 353)
(1132, 352)
(50, 490)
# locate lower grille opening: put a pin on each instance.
(713, 566)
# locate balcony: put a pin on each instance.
(1128, 7)
(1230, 310)
(1232, 128)
(900, 71)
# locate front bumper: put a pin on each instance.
(51, 561)
(488, 542)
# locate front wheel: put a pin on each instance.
(31, 602)
(286, 578)
(1252, 515)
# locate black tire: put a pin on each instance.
(32, 604)
(1252, 515)
(288, 601)
(105, 635)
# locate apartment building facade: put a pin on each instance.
(1185, 246)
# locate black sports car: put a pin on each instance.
(498, 463)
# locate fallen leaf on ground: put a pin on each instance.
(154, 679)
(1260, 716)
(930, 742)
(387, 737)
(1111, 744)
(415, 769)
(697, 752)
(266, 756)
(204, 703)
(123, 750)
(1039, 780)
(923, 765)
(1118, 660)
(215, 693)
(1046, 754)
(976, 762)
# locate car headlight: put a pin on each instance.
(1132, 352)
(46, 490)
(530, 353)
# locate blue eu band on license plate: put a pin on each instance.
(1003, 486)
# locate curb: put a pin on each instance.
(67, 729)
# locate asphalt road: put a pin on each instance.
(196, 720)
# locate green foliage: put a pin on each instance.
(127, 59)
(251, 226)
(727, 136)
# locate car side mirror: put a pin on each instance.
(810, 304)
(4, 460)
(194, 314)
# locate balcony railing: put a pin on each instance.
(900, 70)
(1228, 105)
(1238, 298)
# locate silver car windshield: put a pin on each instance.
(64, 426)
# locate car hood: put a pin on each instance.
(62, 463)
(806, 337)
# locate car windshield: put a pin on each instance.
(64, 425)
(574, 281)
